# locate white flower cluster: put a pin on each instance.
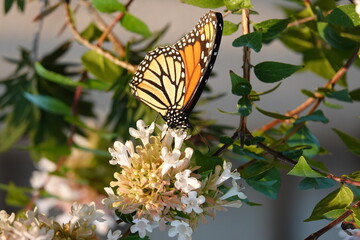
(159, 185)
(36, 226)
(349, 234)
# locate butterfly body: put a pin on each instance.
(171, 79)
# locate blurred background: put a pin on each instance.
(275, 219)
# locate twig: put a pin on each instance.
(108, 30)
(300, 21)
(74, 108)
(245, 165)
(343, 180)
(280, 156)
(117, 45)
(246, 50)
(332, 224)
(97, 49)
(225, 146)
(246, 63)
(311, 100)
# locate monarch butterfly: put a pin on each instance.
(171, 79)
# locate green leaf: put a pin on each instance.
(352, 34)
(333, 38)
(135, 236)
(355, 94)
(270, 72)
(247, 202)
(127, 218)
(267, 183)
(338, 199)
(308, 93)
(244, 106)
(205, 3)
(51, 59)
(47, 11)
(271, 28)
(16, 196)
(108, 6)
(241, 151)
(332, 105)
(316, 183)
(97, 152)
(355, 175)
(268, 91)
(48, 104)
(229, 113)
(11, 132)
(58, 78)
(21, 5)
(135, 25)
(326, 5)
(234, 5)
(7, 5)
(302, 169)
(317, 116)
(96, 84)
(254, 141)
(51, 149)
(91, 32)
(323, 62)
(102, 68)
(299, 39)
(226, 140)
(341, 95)
(207, 162)
(54, 77)
(230, 28)
(251, 40)
(352, 143)
(74, 120)
(304, 137)
(255, 169)
(333, 214)
(296, 153)
(273, 114)
(344, 16)
(239, 86)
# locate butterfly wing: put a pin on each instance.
(160, 79)
(171, 79)
(198, 50)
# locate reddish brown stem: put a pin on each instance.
(112, 25)
(301, 21)
(332, 224)
(99, 50)
(309, 101)
(109, 29)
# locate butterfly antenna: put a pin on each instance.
(166, 133)
(204, 140)
(157, 115)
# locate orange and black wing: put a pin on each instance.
(160, 79)
(199, 49)
(171, 79)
